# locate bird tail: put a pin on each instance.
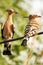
(24, 43)
(7, 49)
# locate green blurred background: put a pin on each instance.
(21, 55)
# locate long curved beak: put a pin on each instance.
(26, 16)
(15, 12)
(7, 10)
(38, 16)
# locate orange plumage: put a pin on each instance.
(8, 30)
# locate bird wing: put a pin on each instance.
(12, 28)
(27, 29)
(2, 28)
(30, 30)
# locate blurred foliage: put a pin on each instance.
(20, 24)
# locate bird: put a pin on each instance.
(7, 31)
(31, 28)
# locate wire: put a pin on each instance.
(19, 38)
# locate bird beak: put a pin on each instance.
(26, 16)
(7, 10)
(15, 12)
(38, 16)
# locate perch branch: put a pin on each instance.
(10, 40)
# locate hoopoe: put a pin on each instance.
(8, 30)
(31, 28)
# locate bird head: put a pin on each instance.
(11, 11)
(32, 17)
